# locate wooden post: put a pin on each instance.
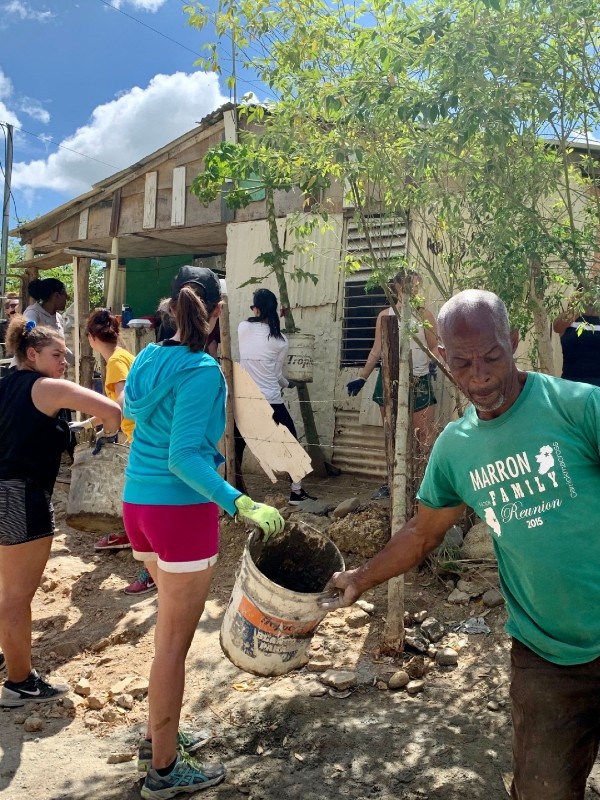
(393, 634)
(77, 320)
(113, 273)
(30, 274)
(86, 357)
(227, 367)
(390, 351)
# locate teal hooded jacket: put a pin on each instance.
(177, 400)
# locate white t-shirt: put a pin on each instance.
(263, 357)
(40, 316)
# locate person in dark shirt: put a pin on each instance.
(33, 437)
(580, 342)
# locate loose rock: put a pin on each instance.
(345, 507)
(493, 598)
(414, 687)
(446, 657)
(493, 706)
(339, 679)
(417, 643)
(368, 607)
(319, 663)
(432, 629)
(457, 597)
(124, 701)
(96, 701)
(478, 543)
(82, 687)
(33, 724)
(399, 679)
(454, 537)
(357, 618)
(420, 616)
(119, 758)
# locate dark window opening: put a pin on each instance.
(360, 315)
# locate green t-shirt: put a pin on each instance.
(533, 474)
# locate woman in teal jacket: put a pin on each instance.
(175, 393)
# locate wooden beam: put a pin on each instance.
(178, 197)
(83, 223)
(150, 191)
(58, 258)
(115, 214)
(86, 357)
(112, 276)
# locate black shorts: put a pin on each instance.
(26, 512)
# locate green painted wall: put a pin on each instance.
(148, 280)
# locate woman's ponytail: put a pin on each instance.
(266, 302)
(192, 316)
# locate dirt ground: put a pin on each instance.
(277, 739)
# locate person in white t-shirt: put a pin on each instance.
(263, 350)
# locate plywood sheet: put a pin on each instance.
(273, 445)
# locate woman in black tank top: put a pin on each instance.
(32, 437)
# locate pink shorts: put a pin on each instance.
(178, 538)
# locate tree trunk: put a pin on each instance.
(541, 322)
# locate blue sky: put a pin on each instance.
(85, 76)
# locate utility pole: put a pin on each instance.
(8, 161)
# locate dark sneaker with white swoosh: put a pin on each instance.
(34, 689)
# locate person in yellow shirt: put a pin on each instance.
(102, 330)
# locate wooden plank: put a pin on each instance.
(115, 214)
(86, 356)
(178, 199)
(98, 255)
(230, 131)
(150, 189)
(83, 223)
(273, 445)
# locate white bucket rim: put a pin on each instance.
(312, 596)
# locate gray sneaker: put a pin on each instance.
(34, 689)
(187, 775)
(187, 742)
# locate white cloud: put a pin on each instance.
(34, 109)
(6, 87)
(141, 5)
(6, 90)
(123, 131)
(24, 11)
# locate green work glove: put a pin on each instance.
(267, 518)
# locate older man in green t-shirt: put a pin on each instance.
(526, 457)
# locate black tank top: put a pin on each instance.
(30, 442)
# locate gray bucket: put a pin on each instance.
(95, 503)
(273, 611)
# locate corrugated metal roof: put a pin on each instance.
(358, 449)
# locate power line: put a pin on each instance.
(174, 41)
(150, 28)
(64, 147)
(12, 196)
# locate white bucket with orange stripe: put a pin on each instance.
(273, 612)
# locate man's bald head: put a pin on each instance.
(473, 308)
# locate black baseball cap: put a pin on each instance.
(203, 280)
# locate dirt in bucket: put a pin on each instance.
(298, 561)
